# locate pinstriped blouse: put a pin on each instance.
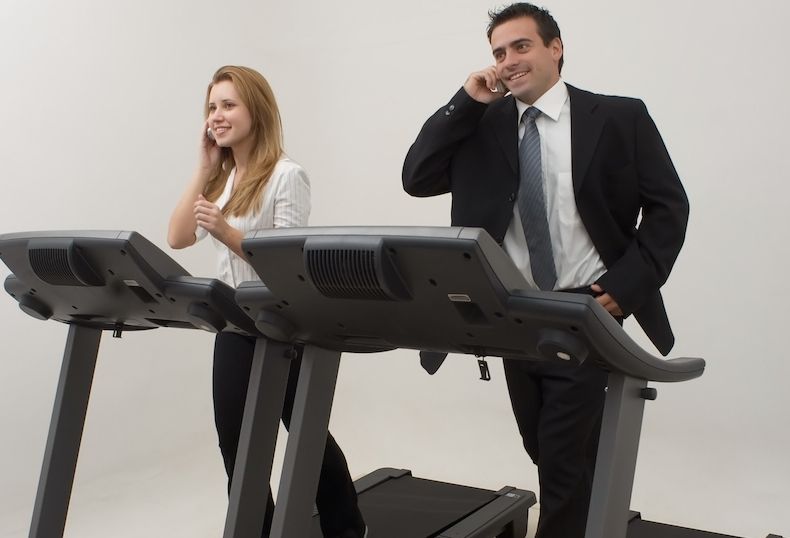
(286, 203)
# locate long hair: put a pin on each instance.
(267, 146)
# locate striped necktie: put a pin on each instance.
(532, 204)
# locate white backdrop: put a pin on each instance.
(101, 117)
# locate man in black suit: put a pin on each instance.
(600, 164)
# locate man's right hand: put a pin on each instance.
(482, 86)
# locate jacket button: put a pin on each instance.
(452, 107)
(446, 112)
(512, 197)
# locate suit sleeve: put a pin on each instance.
(426, 170)
(646, 263)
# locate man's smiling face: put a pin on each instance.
(523, 62)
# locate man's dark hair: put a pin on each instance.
(547, 26)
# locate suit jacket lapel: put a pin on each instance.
(587, 122)
(505, 127)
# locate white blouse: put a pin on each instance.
(286, 203)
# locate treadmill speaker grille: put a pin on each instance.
(63, 265)
(52, 266)
(345, 273)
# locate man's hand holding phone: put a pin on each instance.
(484, 86)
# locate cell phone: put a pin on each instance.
(210, 134)
(500, 87)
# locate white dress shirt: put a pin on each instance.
(575, 258)
(286, 203)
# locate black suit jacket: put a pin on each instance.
(620, 169)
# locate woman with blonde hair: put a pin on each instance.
(244, 182)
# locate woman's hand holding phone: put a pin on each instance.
(209, 150)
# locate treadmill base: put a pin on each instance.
(397, 505)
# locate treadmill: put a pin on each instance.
(119, 281)
(98, 281)
(440, 290)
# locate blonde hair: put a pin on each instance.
(267, 146)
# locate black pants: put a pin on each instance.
(558, 408)
(336, 498)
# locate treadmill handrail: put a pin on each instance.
(619, 351)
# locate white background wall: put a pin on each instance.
(101, 114)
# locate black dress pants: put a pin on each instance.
(558, 408)
(336, 497)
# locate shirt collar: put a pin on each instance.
(550, 103)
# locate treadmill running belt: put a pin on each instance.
(411, 507)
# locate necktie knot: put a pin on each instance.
(530, 114)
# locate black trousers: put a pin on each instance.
(558, 408)
(336, 498)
